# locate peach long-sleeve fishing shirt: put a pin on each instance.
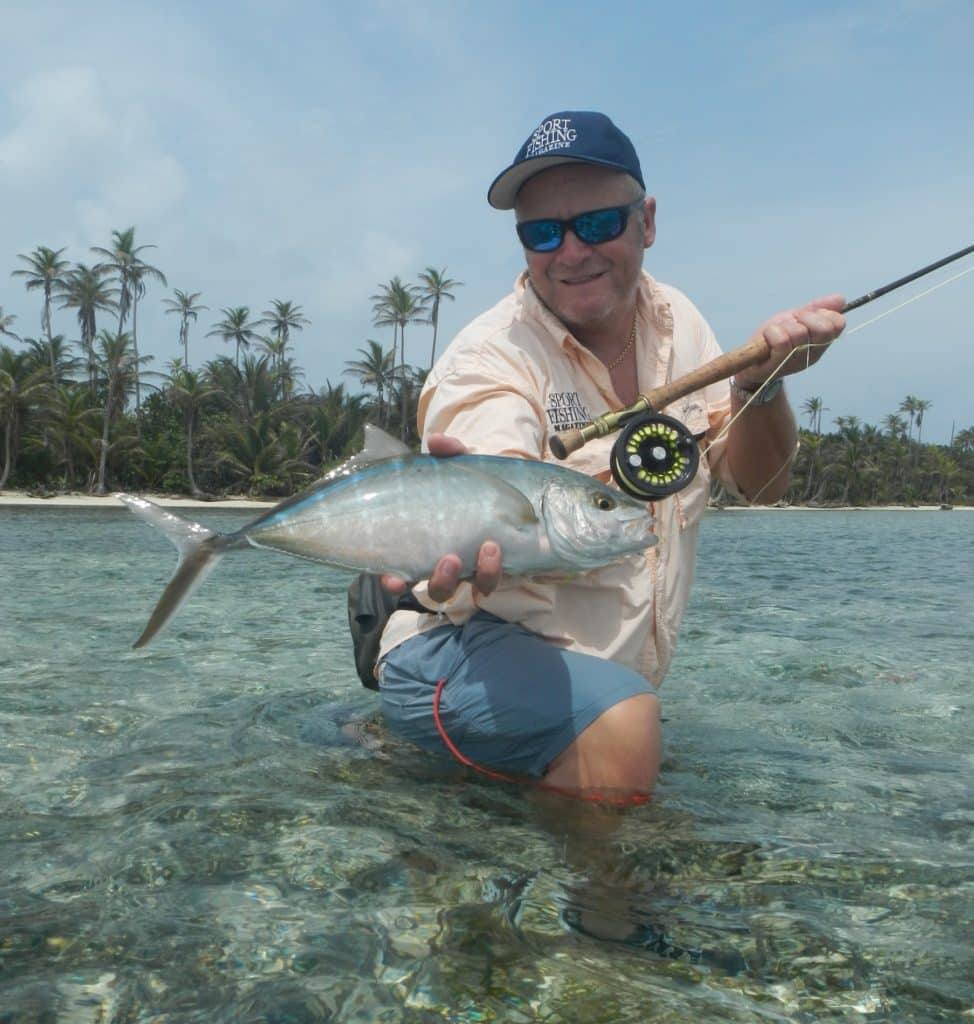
(510, 379)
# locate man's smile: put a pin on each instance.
(579, 279)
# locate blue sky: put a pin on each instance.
(310, 151)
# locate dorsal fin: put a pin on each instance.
(378, 445)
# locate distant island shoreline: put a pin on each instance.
(22, 499)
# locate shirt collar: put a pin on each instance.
(651, 305)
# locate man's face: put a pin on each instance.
(588, 287)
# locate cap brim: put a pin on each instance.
(507, 184)
(503, 192)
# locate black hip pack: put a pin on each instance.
(369, 607)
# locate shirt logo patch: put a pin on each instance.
(691, 409)
(566, 411)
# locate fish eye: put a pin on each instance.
(604, 502)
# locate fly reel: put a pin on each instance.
(654, 456)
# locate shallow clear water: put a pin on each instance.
(216, 830)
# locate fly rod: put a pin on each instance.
(749, 354)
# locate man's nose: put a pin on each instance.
(572, 248)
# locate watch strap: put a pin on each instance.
(761, 395)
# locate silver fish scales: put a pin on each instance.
(388, 512)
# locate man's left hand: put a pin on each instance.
(797, 339)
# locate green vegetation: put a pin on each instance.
(861, 464)
(89, 415)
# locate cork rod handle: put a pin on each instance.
(749, 354)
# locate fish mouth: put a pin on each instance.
(639, 527)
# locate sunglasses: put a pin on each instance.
(593, 228)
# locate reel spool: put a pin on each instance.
(654, 456)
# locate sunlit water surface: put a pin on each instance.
(216, 829)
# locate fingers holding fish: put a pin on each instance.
(489, 568)
(443, 446)
(395, 513)
(445, 578)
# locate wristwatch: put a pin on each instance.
(759, 395)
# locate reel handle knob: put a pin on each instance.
(563, 444)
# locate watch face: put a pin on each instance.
(760, 396)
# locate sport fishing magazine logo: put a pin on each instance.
(553, 134)
(566, 411)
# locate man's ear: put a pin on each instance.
(649, 222)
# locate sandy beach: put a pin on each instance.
(20, 498)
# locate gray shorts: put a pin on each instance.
(512, 701)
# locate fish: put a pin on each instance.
(390, 510)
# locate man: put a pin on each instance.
(556, 680)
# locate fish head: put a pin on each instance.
(590, 524)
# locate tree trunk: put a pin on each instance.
(100, 487)
(810, 481)
(193, 489)
(47, 327)
(138, 382)
(7, 451)
(402, 383)
(436, 323)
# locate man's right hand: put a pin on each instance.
(445, 578)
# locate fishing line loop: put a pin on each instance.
(807, 349)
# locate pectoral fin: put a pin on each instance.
(509, 506)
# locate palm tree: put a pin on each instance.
(123, 259)
(376, 369)
(894, 425)
(435, 285)
(188, 391)
(921, 406)
(236, 327)
(6, 322)
(56, 353)
(282, 318)
(813, 408)
(44, 270)
(408, 386)
(69, 421)
(284, 369)
(118, 368)
(253, 453)
(397, 304)
(947, 476)
(288, 374)
(87, 290)
(336, 418)
(909, 406)
(186, 306)
(964, 440)
(19, 380)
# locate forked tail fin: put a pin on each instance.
(199, 551)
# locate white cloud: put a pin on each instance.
(61, 115)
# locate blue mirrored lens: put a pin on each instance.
(540, 235)
(600, 226)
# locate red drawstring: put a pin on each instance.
(633, 800)
(449, 743)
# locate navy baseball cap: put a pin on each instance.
(571, 136)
